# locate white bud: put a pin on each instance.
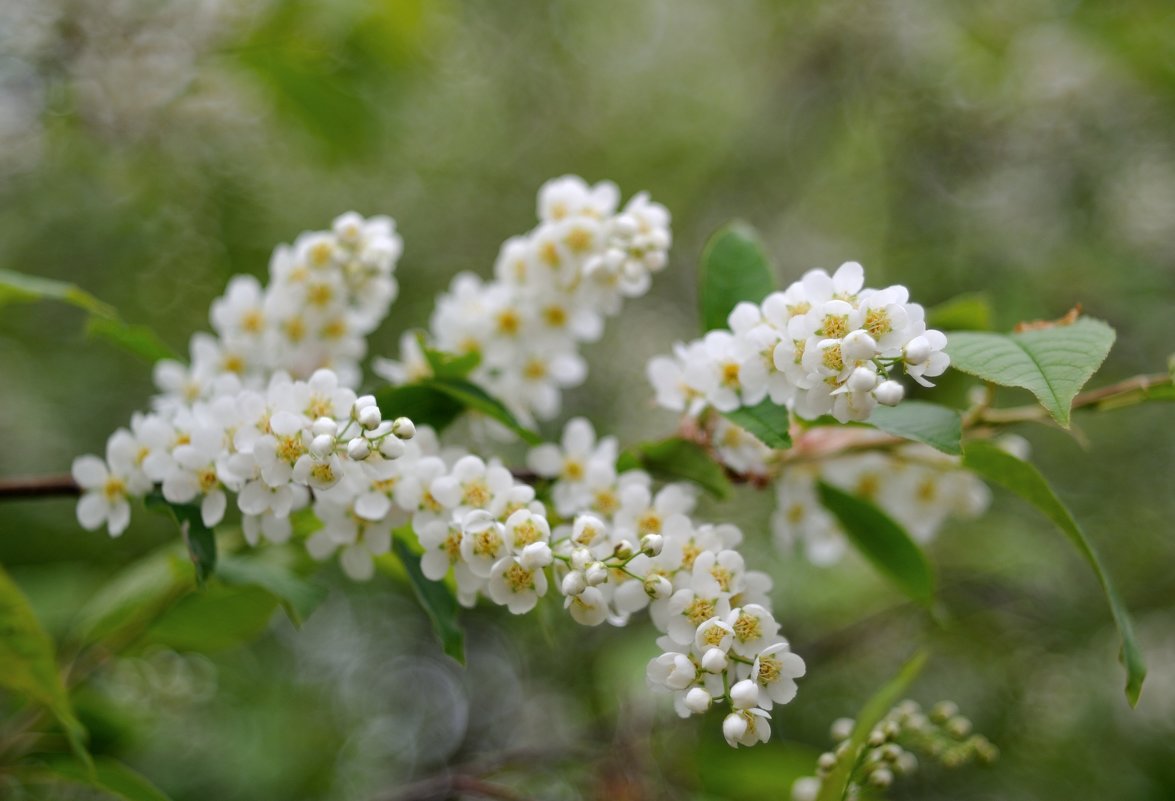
(714, 660)
(651, 544)
(806, 788)
(580, 559)
(392, 447)
(657, 587)
(889, 393)
(734, 726)
(862, 379)
(369, 417)
(324, 425)
(322, 445)
(744, 694)
(624, 549)
(881, 778)
(358, 449)
(596, 573)
(361, 403)
(858, 346)
(624, 225)
(842, 729)
(404, 428)
(536, 555)
(697, 700)
(917, 350)
(574, 583)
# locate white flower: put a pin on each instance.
(672, 670)
(746, 727)
(195, 474)
(106, 485)
(775, 670)
(517, 586)
(588, 608)
(483, 542)
(753, 627)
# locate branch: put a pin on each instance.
(39, 487)
(442, 788)
(1124, 393)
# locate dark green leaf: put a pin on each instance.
(448, 365)
(768, 422)
(676, 459)
(969, 312)
(108, 775)
(434, 596)
(882, 541)
(734, 268)
(422, 404)
(214, 619)
(200, 539)
(1051, 363)
(1022, 478)
(137, 339)
(835, 785)
(298, 595)
(929, 423)
(476, 399)
(28, 663)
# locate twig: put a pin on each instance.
(39, 486)
(443, 788)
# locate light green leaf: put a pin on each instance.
(768, 422)
(137, 339)
(200, 539)
(476, 399)
(1022, 478)
(436, 598)
(1052, 363)
(734, 268)
(109, 775)
(448, 365)
(28, 663)
(882, 541)
(968, 312)
(929, 423)
(298, 595)
(677, 459)
(835, 785)
(216, 618)
(21, 288)
(123, 608)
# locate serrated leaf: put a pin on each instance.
(676, 459)
(1022, 478)
(28, 663)
(768, 422)
(109, 775)
(734, 268)
(216, 618)
(968, 312)
(137, 339)
(1051, 363)
(477, 399)
(929, 423)
(200, 540)
(882, 541)
(835, 785)
(436, 599)
(299, 596)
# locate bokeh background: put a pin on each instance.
(150, 150)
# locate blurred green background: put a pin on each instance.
(150, 150)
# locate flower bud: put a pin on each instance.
(358, 449)
(714, 660)
(944, 711)
(596, 574)
(744, 694)
(697, 700)
(917, 350)
(826, 761)
(862, 379)
(858, 346)
(323, 426)
(535, 555)
(403, 428)
(805, 788)
(842, 729)
(958, 727)
(651, 544)
(580, 559)
(881, 778)
(624, 225)
(392, 447)
(369, 417)
(657, 587)
(624, 549)
(889, 393)
(574, 583)
(322, 445)
(734, 726)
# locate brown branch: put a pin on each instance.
(39, 487)
(442, 788)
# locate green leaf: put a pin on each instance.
(768, 422)
(434, 596)
(678, 459)
(109, 775)
(968, 312)
(215, 619)
(835, 785)
(882, 541)
(422, 404)
(28, 663)
(137, 339)
(1052, 363)
(123, 608)
(1022, 478)
(928, 423)
(476, 399)
(448, 365)
(200, 539)
(734, 268)
(22, 288)
(298, 595)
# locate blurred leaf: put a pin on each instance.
(448, 365)
(214, 619)
(200, 539)
(968, 312)
(22, 288)
(1000, 467)
(734, 268)
(476, 399)
(299, 596)
(882, 541)
(422, 404)
(937, 426)
(676, 459)
(434, 596)
(126, 604)
(137, 339)
(768, 422)
(835, 785)
(28, 663)
(1052, 363)
(109, 775)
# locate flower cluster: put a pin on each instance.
(551, 291)
(326, 293)
(824, 346)
(625, 547)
